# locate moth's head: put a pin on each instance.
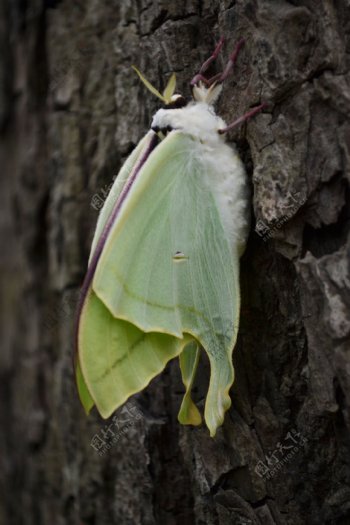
(198, 120)
(205, 91)
(176, 101)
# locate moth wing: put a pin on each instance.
(116, 358)
(168, 266)
(189, 357)
(83, 391)
(126, 172)
(124, 175)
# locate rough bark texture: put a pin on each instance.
(70, 111)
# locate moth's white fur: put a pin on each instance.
(222, 168)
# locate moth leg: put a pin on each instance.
(243, 118)
(199, 76)
(219, 78)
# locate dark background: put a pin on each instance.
(71, 109)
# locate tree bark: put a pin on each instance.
(71, 110)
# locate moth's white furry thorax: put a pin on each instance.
(197, 119)
(223, 170)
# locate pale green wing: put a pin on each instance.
(167, 265)
(189, 357)
(116, 358)
(126, 172)
(123, 176)
(83, 391)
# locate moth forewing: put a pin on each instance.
(123, 278)
(126, 172)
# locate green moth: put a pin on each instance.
(163, 274)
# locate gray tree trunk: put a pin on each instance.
(71, 109)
